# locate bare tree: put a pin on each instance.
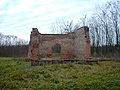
(63, 26)
(114, 8)
(105, 27)
(1, 38)
(83, 20)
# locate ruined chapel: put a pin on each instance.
(72, 45)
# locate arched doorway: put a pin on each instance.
(56, 49)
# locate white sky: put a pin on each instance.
(18, 17)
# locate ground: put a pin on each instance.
(19, 75)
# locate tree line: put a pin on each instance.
(9, 40)
(105, 30)
(12, 46)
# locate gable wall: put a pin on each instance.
(73, 45)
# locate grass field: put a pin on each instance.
(19, 75)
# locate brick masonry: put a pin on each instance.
(73, 45)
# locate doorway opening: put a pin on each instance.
(56, 49)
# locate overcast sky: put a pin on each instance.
(18, 17)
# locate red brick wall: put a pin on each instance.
(73, 45)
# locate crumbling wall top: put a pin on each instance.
(34, 32)
(34, 29)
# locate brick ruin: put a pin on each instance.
(72, 45)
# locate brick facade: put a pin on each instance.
(73, 45)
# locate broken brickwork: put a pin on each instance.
(73, 45)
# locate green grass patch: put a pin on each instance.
(20, 75)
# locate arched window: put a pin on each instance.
(56, 48)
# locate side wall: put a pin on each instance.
(82, 43)
(33, 51)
